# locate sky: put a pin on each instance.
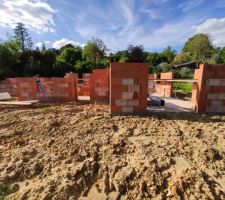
(155, 24)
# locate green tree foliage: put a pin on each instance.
(136, 53)
(17, 59)
(9, 58)
(218, 56)
(38, 63)
(200, 48)
(182, 57)
(169, 54)
(154, 58)
(165, 67)
(21, 35)
(69, 45)
(84, 66)
(120, 56)
(94, 50)
(67, 59)
(185, 73)
(70, 55)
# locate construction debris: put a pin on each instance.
(5, 96)
(22, 103)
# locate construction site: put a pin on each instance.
(117, 133)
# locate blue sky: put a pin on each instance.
(153, 23)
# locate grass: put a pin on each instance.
(185, 88)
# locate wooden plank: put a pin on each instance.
(175, 80)
(18, 102)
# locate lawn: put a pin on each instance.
(183, 89)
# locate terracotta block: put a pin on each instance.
(221, 96)
(127, 109)
(216, 103)
(121, 102)
(212, 96)
(133, 103)
(133, 88)
(216, 82)
(127, 95)
(127, 81)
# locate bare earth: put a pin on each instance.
(80, 152)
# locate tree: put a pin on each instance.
(120, 56)
(94, 50)
(136, 53)
(43, 48)
(67, 59)
(84, 66)
(6, 61)
(200, 47)
(21, 35)
(154, 58)
(165, 67)
(69, 45)
(218, 57)
(169, 54)
(182, 57)
(38, 63)
(71, 55)
(9, 58)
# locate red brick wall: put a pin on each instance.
(99, 85)
(165, 88)
(209, 91)
(9, 85)
(151, 84)
(128, 87)
(55, 89)
(84, 88)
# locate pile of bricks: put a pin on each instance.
(128, 87)
(165, 88)
(99, 82)
(209, 91)
(83, 88)
(9, 85)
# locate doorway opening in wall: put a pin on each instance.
(170, 95)
(83, 87)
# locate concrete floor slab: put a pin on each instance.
(173, 105)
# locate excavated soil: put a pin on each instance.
(80, 152)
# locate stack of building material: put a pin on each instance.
(5, 96)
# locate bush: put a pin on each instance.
(185, 73)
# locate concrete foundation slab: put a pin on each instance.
(173, 105)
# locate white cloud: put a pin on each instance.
(216, 28)
(36, 15)
(59, 43)
(123, 25)
(190, 4)
(39, 44)
(125, 33)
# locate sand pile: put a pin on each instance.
(80, 152)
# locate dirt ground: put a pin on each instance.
(80, 152)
